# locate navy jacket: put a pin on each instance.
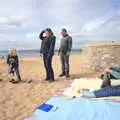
(47, 45)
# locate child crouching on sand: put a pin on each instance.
(13, 65)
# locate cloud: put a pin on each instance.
(32, 35)
(7, 23)
(107, 30)
(86, 20)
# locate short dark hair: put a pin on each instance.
(65, 30)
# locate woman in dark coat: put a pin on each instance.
(47, 49)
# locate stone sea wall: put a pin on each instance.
(95, 57)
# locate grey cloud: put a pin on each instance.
(11, 22)
(109, 28)
(30, 16)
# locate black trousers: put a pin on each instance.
(48, 67)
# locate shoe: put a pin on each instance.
(11, 80)
(51, 81)
(30, 81)
(15, 82)
(61, 75)
(67, 76)
(46, 79)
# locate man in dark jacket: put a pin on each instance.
(65, 50)
(47, 49)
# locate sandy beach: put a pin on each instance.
(17, 101)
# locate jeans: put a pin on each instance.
(108, 91)
(48, 67)
(89, 94)
(12, 69)
(65, 63)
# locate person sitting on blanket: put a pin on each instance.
(13, 65)
(103, 92)
(110, 73)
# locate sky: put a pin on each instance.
(86, 21)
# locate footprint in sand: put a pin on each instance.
(1, 80)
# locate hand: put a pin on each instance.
(68, 53)
(43, 31)
(41, 55)
(58, 52)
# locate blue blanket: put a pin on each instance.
(78, 109)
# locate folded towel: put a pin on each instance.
(45, 107)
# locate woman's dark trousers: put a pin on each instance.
(48, 67)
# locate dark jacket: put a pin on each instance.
(66, 44)
(13, 60)
(47, 45)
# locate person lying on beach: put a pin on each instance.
(103, 92)
(110, 73)
(13, 65)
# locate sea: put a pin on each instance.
(4, 53)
